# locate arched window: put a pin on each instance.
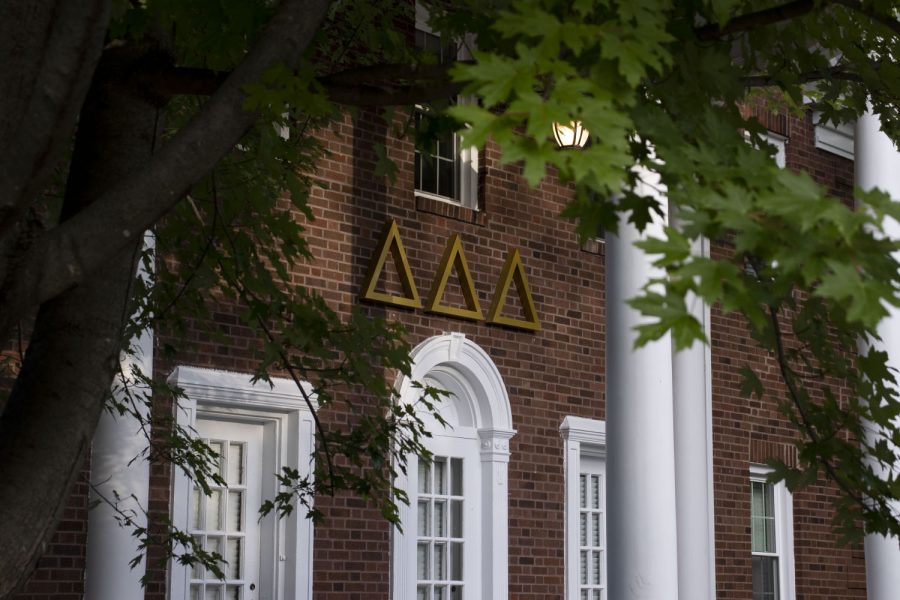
(454, 542)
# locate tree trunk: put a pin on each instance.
(50, 49)
(47, 426)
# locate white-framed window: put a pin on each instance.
(584, 463)
(771, 537)
(256, 429)
(446, 170)
(454, 542)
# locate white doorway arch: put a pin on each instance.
(433, 557)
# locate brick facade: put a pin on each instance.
(549, 374)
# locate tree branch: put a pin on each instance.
(769, 16)
(64, 256)
(765, 80)
(390, 73)
(374, 85)
(856, 5)
(175, 81)
(50, 50)
(787, 376)
(370, 95)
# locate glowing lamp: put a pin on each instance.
(573, 135)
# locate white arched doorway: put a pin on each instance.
(454, 542)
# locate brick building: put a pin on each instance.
(515, 503)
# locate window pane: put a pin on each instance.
(424, 518)
(439, 592)
(445, 146)
(757, 502)
(440, 475)
(233, 592)
(421, 593)
(429, 174)
(595, 491)
(583, 491)
(417, 170)
(214, 511)
(195, 592)
(213, 544)
(762, 517)
(456, 518)
(424, 477)
(195, 508)
(440, 518)
(584, 525)
(235, 521)
(422, 562)
(446, 178)
(216, 447)
(213, 593)
(757, 535)
(456, 476)
(440, 558)
(197, 570)
(456, 592)
(584, 567)
(233, 556)
(595, 530)
(595, 568)
(456, 558)
(765, 578)
(235, 464)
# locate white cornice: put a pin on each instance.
(211, 386)
(579, 429)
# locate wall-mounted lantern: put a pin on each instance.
(573, 135)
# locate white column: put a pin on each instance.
(494, 530)
(877, 165)
(692, 386)
(640, 465)
(117, 441)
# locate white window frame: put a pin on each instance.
(780, 143)
(227, 396)
(581, 437)
(836, 139)
(784, 530)
(466, 160)
(481, 408)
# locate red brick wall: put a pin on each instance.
(60, 572)
(748, 431)
(549, 374)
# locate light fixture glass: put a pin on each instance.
(573, 135)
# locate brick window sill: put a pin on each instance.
(451, 211)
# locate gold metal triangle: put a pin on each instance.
(454, 259)
(513, 271)
(390, 243)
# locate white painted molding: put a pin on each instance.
(581, 437)
(225, 388)
(118, 439)
(780, 142)
(222, 394)
(837, 139)
(480, 406)
(476, 371)
(784, 525)
(579, 429)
